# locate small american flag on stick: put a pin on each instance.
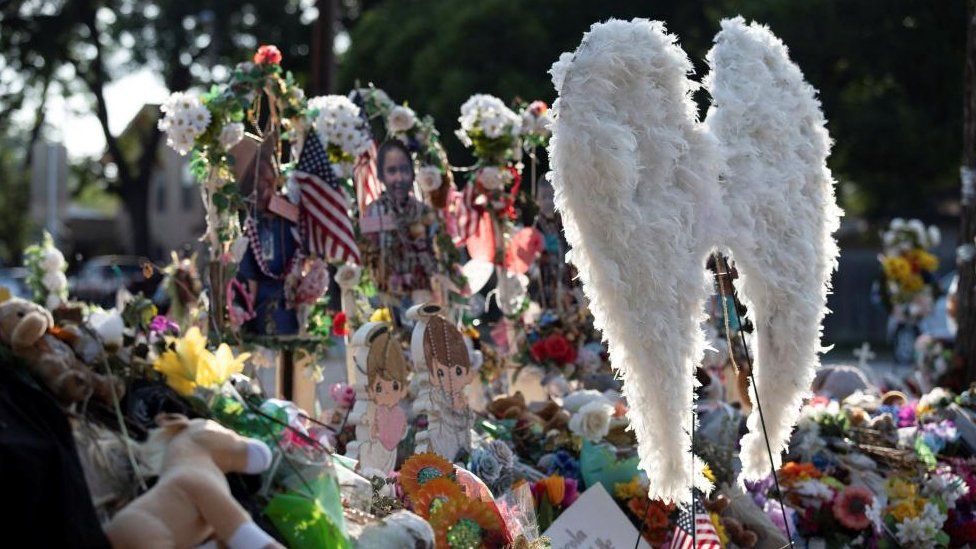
(325, 208)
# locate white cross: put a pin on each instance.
(864, 355)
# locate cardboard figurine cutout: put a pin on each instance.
(444, 369)
(384, 423)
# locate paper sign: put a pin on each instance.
(376, 223)
(593, 521)
(282, 207)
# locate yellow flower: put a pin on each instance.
(923, 259)
(628, 490)
(900, 489)
(381, 315)
(913, 283)
(707, 471)
(907, 508)
(555, 489)
(221, 367)
(189, 364)
(896, 267)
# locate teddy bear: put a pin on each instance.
(27, 328)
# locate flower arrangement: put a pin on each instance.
(341, 127)
(553, 495)
(907, 265)
(536, 118)
(490, 128)
(45, 266)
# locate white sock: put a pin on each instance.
(258, 457)
(250, 536)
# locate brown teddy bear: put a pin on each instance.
(27, 328)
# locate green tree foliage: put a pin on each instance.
(890, 74)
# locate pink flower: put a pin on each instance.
(538, 108)
(850, 507)
(267, 55)
(342, 394)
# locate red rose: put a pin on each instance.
(559, 349)
(339, 326)
(268, 55)
(538, 350)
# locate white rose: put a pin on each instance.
(429, 178)
(492, 178)
(347, 276)
(592, 422)
(577, 400)
(54, 281)
(52, 302)
(231, 135)
(52, 260)
(401, 119)
(109, 327)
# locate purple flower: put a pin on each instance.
(162, 325)
(906, 416)
(572, 492)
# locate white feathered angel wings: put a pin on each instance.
(647, 191)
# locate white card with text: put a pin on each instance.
(594, 521)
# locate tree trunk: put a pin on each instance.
(135, 198)
(323, 48)
(966, 308)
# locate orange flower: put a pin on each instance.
(434, 494)
(555, 489)
(422, 468)
(794, 472)
(467, 523)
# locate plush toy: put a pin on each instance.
(27, 328)
(192, 502)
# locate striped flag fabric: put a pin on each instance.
(466, 216)
(324, 218)
(368, 184)
(695, 532)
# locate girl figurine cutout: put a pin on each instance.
(443, 366)
(385, 423)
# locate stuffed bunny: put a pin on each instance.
(192, 502)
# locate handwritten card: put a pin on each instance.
(593, 521)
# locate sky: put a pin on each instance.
(81, 133)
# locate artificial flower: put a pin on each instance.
(221, 367)
(850, 507)
(180, 363)
(340, 126)
(184, 119)
(231, 134)
(420, 468)
(430, 178)
(401, 119)
(52, 260)
(343, 394)
(628, 490)
(434, 494)
(592, 422)
(109, 327)
(467, 523)
(267, 55)
(160, 324)
(339, 324)
(347, 276)
(381, 315)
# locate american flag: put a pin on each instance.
(368, 185)
(704, 537)
(466, 216)
(325, 208)
(364, 175)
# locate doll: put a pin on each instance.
(384, 423)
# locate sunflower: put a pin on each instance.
(434, 494)
(467, 524)
(421, 468)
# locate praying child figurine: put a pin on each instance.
(385, 423)
(443, 364)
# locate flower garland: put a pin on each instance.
(251, 231)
